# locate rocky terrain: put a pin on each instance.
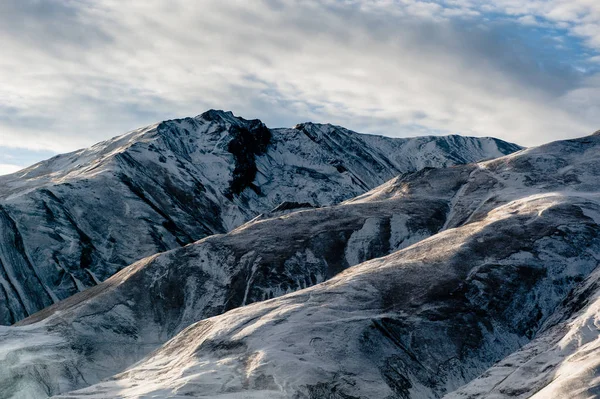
(472, 281)
(511, 278)
(72, 221)
(419, 323)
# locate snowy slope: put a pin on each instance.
(519, 234)
(415, 324)
(427, 319)
(141, 307)
(72, 221)
(561, 362)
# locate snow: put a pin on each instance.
(369, 296)
(85, 215)
(359, 242)
(521, 239)
(325, 334)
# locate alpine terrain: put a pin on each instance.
(72, 221)
(469, 281)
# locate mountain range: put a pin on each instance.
(72, 221)
(329, 265)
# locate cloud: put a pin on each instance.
(579, 17)
(13, 159)
(8, 168)
(80, 71)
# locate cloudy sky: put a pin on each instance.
(74, 72)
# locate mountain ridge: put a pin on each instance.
(490, 238)
(521, 236)
(74, 220)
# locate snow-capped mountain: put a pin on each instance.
(151, 301)
(516, 263)
(455, 269)
(416, 324)
(74, 220)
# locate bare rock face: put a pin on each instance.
(72, 221)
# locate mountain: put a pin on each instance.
(513, 275)
(416, 289)
(72, 221)
(110, 326)
(416, 324)
(562, 362)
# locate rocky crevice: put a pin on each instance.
(33, 284)
(181, 236)
(247, 143)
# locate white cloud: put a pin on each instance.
(82, 71)
(580, 17)
(7, 168)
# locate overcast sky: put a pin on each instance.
(74, 72)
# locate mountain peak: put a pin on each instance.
(312, 125)
(195, 176)
(469, 258)
(216, 114)
(220, 116)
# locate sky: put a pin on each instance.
(75, 72)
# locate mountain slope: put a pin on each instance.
(562, 361)
(429, 318)
(416, 324)
(72, 221)
(518, 235)
(149, 302)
